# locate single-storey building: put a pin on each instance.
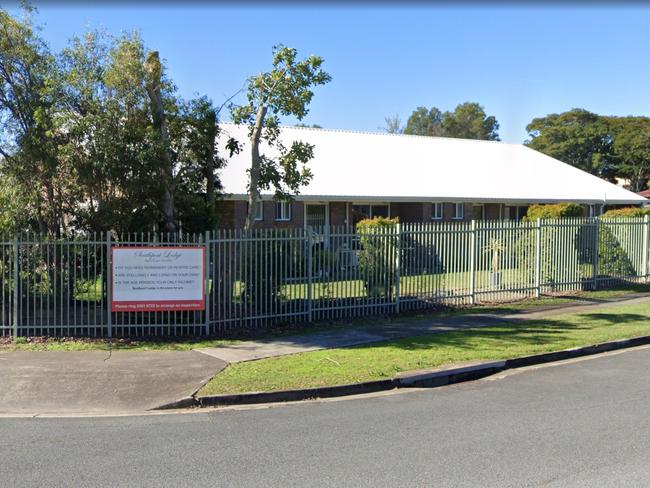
(416, 178)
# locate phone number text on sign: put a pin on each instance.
(157, 278)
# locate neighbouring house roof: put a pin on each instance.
(644, 193)
(363, 166)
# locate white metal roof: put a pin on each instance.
(362, 166)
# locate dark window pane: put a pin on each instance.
(380, 210)
(360, 212)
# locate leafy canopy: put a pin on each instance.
(467, 121)
(285, 90)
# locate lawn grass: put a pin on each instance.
(384, 360)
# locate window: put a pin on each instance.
(478, 212)
(283, 211)
(459, 209)
(379, 211)
(259, 210)
(361, 212)
(436, 210)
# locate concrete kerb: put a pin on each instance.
(424, 379)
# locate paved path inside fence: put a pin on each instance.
(99, 382)
(399, 329)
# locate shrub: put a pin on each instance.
(378, 255)
(627, 212)
(554, 211)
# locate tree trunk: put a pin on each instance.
(210, 163)
(153, 70)
(253, 189)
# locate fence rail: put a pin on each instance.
(261, 278)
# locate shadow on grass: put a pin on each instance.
(515, 332)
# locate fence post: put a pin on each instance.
(207, 282)
(596, 247)
(309, 273)
(538, 259)
(16, 286)
(472, 264)
(646, 223)
(398, 263)
(109, 278)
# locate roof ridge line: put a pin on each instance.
(350, 131)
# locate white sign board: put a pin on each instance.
(157, 278)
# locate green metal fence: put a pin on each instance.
(262, 278)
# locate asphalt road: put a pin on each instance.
(584, 423)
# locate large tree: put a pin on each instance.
(467, 121)
(631, 147)
(285, 90)
(28, 141)
(577, 137)
(425, 122)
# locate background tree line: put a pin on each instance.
(606, 146)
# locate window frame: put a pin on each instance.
(434, 213)
(280, 216)
(460, 206)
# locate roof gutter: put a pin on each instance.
(420, 199)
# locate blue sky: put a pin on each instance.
(519, 63)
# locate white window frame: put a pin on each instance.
(435, 206)
(284, 214)
(459, 215)
(259, 211)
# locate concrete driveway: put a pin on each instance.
(99, 381)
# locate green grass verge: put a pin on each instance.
(384, 360)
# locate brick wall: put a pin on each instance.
(225, 212)
(409, 212)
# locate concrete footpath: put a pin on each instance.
(99, 382)
(397, 329)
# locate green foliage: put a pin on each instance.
(613, 260)
(285, 90)
(631, 148)
(79, 140)
(269, 264)
(554, 211)
(423, 122)
(576, 137)
(626, 212)
(378, 255)
(467, 121)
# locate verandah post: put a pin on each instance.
(109, 318)
(646, 236)
(538, 258)
(16, 285)
(472, 264)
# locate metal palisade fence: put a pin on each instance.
(261, 278)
